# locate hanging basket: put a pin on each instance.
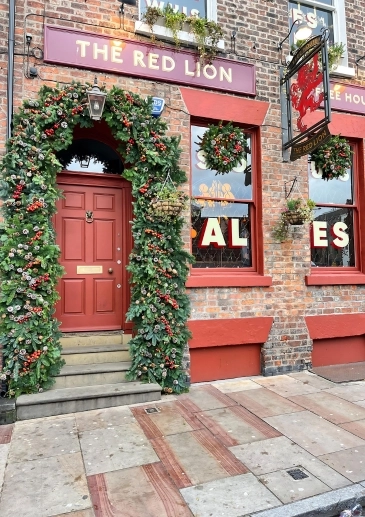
(167, 207)
(294, 217)
(169, 201)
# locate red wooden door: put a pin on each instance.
(94, 291)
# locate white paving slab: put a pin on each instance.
(43, 488)
(4, 451)
(230, 497)
(313, 433)
(36, 439)
(281, 453)
(114, 448)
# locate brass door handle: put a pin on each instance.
(110, 270)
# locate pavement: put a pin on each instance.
(259, 446)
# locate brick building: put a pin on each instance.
(267, 307)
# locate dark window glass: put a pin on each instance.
(336, 191)
(333, 220)
(317, 18)
(189, 7)
(332, 255)
(213, 255)
(87, 155)
(237, 184)
(222, 211)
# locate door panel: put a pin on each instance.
(104, 240)
(73, 239)
(73, 296)
(94, 294)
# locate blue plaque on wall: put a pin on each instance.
(157, 106)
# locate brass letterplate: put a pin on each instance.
(89, 270)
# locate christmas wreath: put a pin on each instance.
(29, 255)
(224, 147)
(333, 158)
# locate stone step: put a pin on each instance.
(95, 354)
(73, 400)
(91, 374)
(94, 339)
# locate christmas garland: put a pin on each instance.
(333, 158)
(29, 255)
(224, 147)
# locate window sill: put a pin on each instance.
(335, 278)
(343, 71)
(165, 34)
(227, 279)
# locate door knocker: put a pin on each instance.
(89, 216)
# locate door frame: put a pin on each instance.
(89, 179)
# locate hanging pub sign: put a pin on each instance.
(305, 88)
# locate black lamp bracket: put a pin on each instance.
(293, 183)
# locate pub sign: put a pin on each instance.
(304, 89)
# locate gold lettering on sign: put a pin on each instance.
(167, 60)
(89, 270)
(83, 44)
(225, 74)
(210, 71)
(152, 61)
(115, 55)
(138, 58)
(187, 71)
(103, 51)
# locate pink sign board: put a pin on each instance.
(127, 57)
(346, 97)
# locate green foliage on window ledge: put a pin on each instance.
(206, 33)
(29, 256)
(335, 52)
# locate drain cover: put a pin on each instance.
(297, 474)
(152, 410)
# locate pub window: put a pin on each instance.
(202, 8)
(334, 228)
(222, 211)
(329, 14)
(88, 155)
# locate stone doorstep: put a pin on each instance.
(81, 339)
(85, 369)
(71, 400)
(329, 504)
(7, 411)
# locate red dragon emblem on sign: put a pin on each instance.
(302, 92)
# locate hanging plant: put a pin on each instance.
(174, 21)
(224, 147)
(333, 158)
(29, 256)
(150, 17)
(335, 52)
(169, 202)
(297, 212)
(207, 35)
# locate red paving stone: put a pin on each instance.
(5, 433)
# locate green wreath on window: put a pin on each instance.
(224, 147)
(333, 158)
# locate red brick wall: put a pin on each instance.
(258, 23)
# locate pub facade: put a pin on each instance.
(257, 305)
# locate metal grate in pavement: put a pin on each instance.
(297, 474)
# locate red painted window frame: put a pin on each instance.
(230, 277)
(353, 275)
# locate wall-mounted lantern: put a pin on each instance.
(96, 101)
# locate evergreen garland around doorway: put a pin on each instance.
(29, 256)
